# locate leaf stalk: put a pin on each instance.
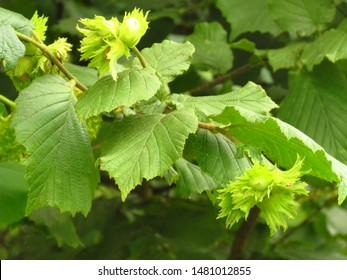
(215, 128)
(140, 57)
(8, 102)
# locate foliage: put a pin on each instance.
(126, 132)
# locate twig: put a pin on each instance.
(8, 102)
(208, 126)
(214, 128)
(140, 57)
(221, 79)
(52, 58)
(239, 244)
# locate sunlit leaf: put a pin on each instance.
(331, 45)
(107, 94)
(251, 97)
(282, 143)
(168, 59)
(145, 146)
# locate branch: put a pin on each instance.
(52, 58)
(222, 78)
(239, 243)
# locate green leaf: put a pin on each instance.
(87, 76)
(152, 106)
(17, 21)
(107, 94)
(192, 179)
(248, 16)
(286, 57)
(302, 16)
(279, 141)
(245, 45)
(217, 156)
(145, 146)
(325, 96)
(331, 45)
(59, 225)
(282, 143)
(10, 150)
(341, 170)
(251, 97)
(212, 52)
(11, 48)
(60, 165)
(169, 59)
(13, 192)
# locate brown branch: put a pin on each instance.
(222, 78)
(239, 244)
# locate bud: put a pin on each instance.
(40, 24)
(101, 26)
(106, 41)
(133, 27)
(24, 66)
(60, 49)
(101, 44)
(96, 31)
(116, 51)
(267, 187)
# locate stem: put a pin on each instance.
(221, 79)
(214, 128)
(239, 244)
(140, 57)
(8, 102)
(208, 126)
(52, 58)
